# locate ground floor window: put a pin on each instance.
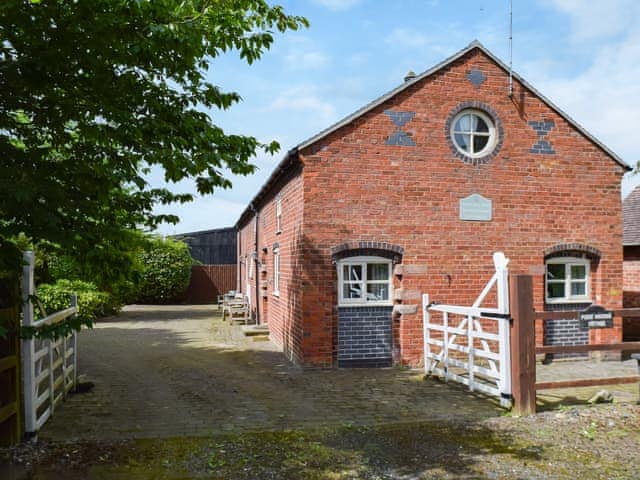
(567, 280)
(364, 281)
(276, 271)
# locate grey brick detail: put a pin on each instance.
(399, 119)
(542, 128)
(476, 77)
(364, 336)
(565, 332)
(400, 137)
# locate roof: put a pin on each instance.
(203, 232)
(631, 218)
(390, 94)
(212, 247)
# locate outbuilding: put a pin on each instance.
(631, 265)
(412, 194)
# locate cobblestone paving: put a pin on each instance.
(172, 371)
(180, 370)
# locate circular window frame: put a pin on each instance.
(491, 135)
(485, 112)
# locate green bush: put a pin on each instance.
(92, 303)
(166, 271)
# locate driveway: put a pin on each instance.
(167, 371)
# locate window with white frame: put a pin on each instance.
(278, 214)
(473, 133)
(252, 260)
(276, 271)
(567, 280)
(364, 281)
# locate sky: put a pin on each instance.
(584, 55)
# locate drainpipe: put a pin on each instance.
(257, 263)
(238, 256)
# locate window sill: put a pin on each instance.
(368, 304)
(567, 301)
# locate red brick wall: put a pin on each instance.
(357, 188)
(631, 276)
(631, 282)
(283, 312)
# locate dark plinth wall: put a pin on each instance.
(364, 337)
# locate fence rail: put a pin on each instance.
(525, 350)
(49, 366)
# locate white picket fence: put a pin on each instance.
(462, 350)
(49, 367)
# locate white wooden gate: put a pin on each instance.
(49, 367)
(482, 360)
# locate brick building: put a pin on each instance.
(412, 194)
(631, 254)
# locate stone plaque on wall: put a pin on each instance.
(476, 208)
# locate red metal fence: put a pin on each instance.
(209, 281)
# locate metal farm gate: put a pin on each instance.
(470, 345)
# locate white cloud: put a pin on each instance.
(307, 60)
(597, 19)
(203, 213)
(305, 99)
(337, 5)
(605, 98)
(406, 37)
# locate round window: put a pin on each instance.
(473, 133)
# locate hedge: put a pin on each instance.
(92, 303)
(166, 271)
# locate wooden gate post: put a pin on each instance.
(523, 344)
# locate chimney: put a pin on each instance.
(410, 76)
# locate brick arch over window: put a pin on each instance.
(572, 249)
(367, 248)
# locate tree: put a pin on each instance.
(95, 93)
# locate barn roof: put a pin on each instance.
(291, 155)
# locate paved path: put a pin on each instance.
(176, 370)
(179, 370)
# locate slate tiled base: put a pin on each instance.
(565, 332)
(364, 337)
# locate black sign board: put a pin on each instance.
(596, 316)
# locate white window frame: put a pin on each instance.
(363, 261)
(491, 143)
(278, 214)
(568, 262)
(276, 272)
(252, 261)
